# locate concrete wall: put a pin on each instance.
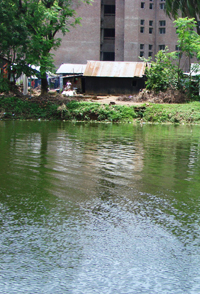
(119, 31)
(82, 43)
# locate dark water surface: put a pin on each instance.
(99, 208)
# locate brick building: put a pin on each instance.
(118, 30)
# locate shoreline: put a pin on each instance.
(102, 109)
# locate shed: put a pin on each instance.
(114, 77)
(71, 68)
(73, 73)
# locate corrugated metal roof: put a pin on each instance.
(67, 68)
(120, 69)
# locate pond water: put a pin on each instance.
(99, 208)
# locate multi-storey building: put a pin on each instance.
(118, 30)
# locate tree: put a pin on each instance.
(13, 36)
(184, 8)
(40, 21)
(163, 73)
(188, 39)
(188, 42)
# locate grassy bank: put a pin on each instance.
(16, 108)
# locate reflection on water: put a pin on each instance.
(99, 208)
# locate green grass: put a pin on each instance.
(16, 108)
(85, 111)
(173, 113)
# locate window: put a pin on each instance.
(141, 53)
(141, 29)
(150, 5)
(162, 23)
(142, 4)
(150, 23)
(177, 48)
(150, 54)
(150, 30)
(141, 46)
(162, 30)
(109, 34)
(142, 22)
(150, 47)
(162, 5)
(161, 47)
(108, 56)
(109, 9)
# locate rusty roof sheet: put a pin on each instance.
(121, 69)
(67, 68)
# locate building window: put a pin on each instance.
(150, 54)
(141, 29)
(150, 47)
(162, 23)
(162, 30)
(150, 30)
(108, 56)
(142, 4)
(162, 5)
(150, 5)
(109, 9)
(142, 22)
(141, 46)
(141, 53)
(177, 48)
(161, 47)
(109, 34)
(150, 23)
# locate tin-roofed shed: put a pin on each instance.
(105, 77)
(71, 72)
(71, 68)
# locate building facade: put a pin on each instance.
(118, 30)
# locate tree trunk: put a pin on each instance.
(44, 84)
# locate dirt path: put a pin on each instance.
(114, 100)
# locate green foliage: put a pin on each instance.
(188, 39)
(185, 8)
(94, 111)
(173, 113)
(28, 31)
(81, 111)
(15, 108)
(13, 33)
(163, 73)
(189, 47)
(4, 85)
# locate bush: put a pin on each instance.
(163, 74)
(4, 84)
